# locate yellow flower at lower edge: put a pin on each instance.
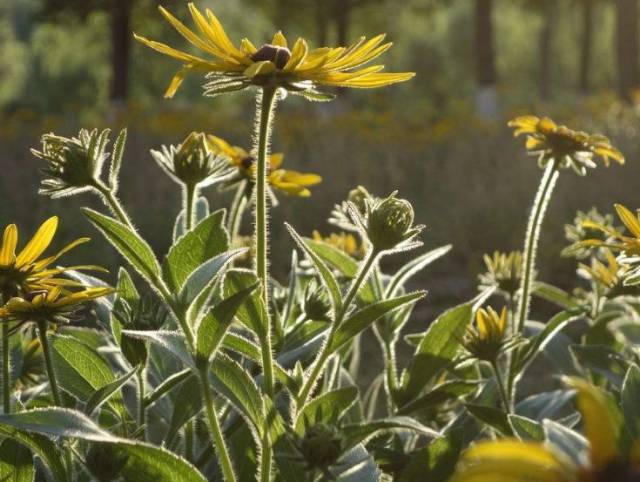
(346, 242)
(290, 182)
(511, 460)
(575, 149)
(55, 305)
(26, 270)
(297, 69)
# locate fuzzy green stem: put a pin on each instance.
(215, 430)
(504, 397)
(6, 369)
(142, 409)
(538, 211)
(112, 202)
(188, 440)
(266, 458)
(325, 352)
(236, 212)
(190, 196)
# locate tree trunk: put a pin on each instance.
(486, 74)
(586, 46)
(546, 48)
(121, 43)
(342, 11)
(627, 46)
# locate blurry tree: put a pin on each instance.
(485, 60)
(627, 47)
(586, 44)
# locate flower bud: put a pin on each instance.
(359, 198)
(390, 223)
(321, 446)
(316, 303)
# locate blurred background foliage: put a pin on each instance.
(440, 139)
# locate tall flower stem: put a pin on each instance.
(266, 106)
(142, 409)
(325, 352)
(532, 238)
(215, 429)
(190, 196)
(113, 203)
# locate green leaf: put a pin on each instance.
(128, 243)
(40, 445)
(362, 319)
(167, 385)
(412, 267)
(328, 280)
(555, 295)
(202, 211)
(116, 159)
(186, 405)
(103, 394)
(80, 370)
(172, 341)
(491, 416)
(16, 462)
(215, 325)
(602, 360)
(574, 445)
(436, 350)
(361, 432)
(546, 405)
(442, 393)
(59, 422)
(630, 398)
(357, 465)
(252, 313)
(556, 348)
(207, 240)
(434, 462)
(326, 408)
(526, 429)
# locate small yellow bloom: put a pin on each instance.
(569, 148)
(608, 275)
(290, 182)
(296, 68)
(26, 271)
(55, 305)
(486, 339)
(504, 272)
(517, 461)
(346, 242)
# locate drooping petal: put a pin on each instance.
(40, 241)
(629, 219)
(8, 248)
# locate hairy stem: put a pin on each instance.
(188, 440)
(325, 352)
(114, 205)
(238, 207)
(142, 409)
(190, 196)
(215, 430)
(504, 397)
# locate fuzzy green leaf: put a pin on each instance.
(252, 313)
(630, 397)
(526, 429)
(16, 462)
(116, 159)
(105, 392)
(491, 416)
(172, 341)
(440, 394)
(434, 462)
(326, 408)
(186, 405)
(360, 433)
(414, 266)
(202, 211)
(167, 385)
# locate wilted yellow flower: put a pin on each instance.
(580, 231)
(25, 272)
(608, 275)
(297, 69)
(518, 461)
(290, 182)
(55, 305)
(346, 242)
(569, 148)
(487, 338)
(504, 272)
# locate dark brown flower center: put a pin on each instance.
(272, 53)
(247, 162)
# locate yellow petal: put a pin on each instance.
(38, 243)
(275, 160)
(8, 248)
(546, 126)
(260, 68)
(170, 51)
(279, 40)
(247, 47)
(482, 320)
(47, 261)
(298, 55)
(191, 36)
(372, 81)
(629, 219)
(223, 38)
(303, 179)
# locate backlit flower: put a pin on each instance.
(608, 274)
(520, 461)
(26, 271)
(290, 182)
(487, 338)
(504, 272)
(580, 231)
(569, 148)
(345, 242)
(295, 68)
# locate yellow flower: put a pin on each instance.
(569, 148)
(486, 339)
(298, 69)
(504, 272)
(608, 275)
(346, 242)
(26, 271)
(511, 460)
(55, 305)
(290, 182)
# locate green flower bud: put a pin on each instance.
(359, 197)
(390, 223)
(321, 446)
(105, 462)
(316, 303)
(72, 165)
(192, 163)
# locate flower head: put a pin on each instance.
(522, 461)
(569, 148)
(608, 274)
(72, 165)
(55, 305)
(26, 271)
(297, 68)
(192, 162)
(389, 224)
(358, 199)
(504, 272)
(316, 303)
(289, 182)
(581, 230)
(345, 242)
(487, 338)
